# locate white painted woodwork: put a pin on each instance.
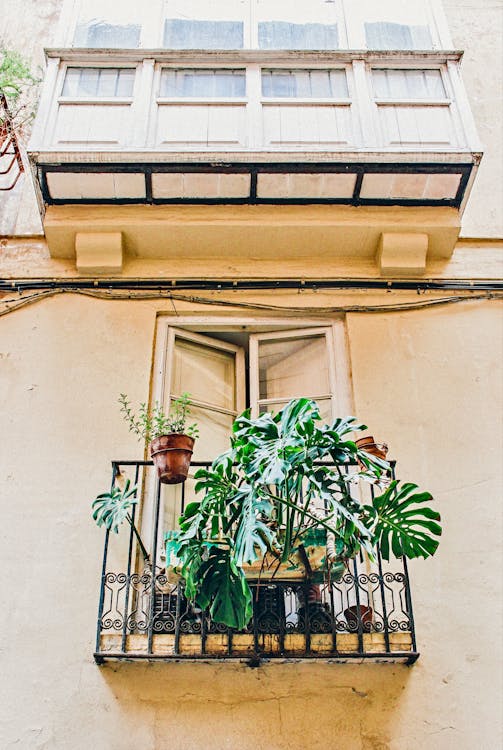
(318, 125)
(92, 124)
(291, 364)
(201, 125)
(406, 109)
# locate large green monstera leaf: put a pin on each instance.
(403, 525)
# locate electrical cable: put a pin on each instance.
(113, 294)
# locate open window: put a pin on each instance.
(227, 368)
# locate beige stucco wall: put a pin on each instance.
(429, 382)
(477, 28)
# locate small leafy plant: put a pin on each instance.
(285, 478)
(149, 424)
(19, 86)
(111, 509)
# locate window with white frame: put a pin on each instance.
(413, 107)
(228, 368)
(304, 84)
(96, 83)
(202, 83)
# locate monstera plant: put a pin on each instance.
(285, 477)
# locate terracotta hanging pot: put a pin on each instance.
(368, 444)
(351, 615)
(171, 455)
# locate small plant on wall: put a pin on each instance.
(19, 87)
(170, 435)
(284, 482)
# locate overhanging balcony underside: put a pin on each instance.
(163, 126)
(367, 183)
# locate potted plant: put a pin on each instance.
(171, 439)
(286, 477)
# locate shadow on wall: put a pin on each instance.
(273, 707)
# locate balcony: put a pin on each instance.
(336, 625)
(353, 128)
(252, 149)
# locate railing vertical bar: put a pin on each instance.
(383, 598)
(104, 573)
(154, 563)
(128, 574)
(408, 600)
(183, 497)
(358, 606)
(255, 594)
(204, 631)
(334, 619)
(307, 619)
(282, 617)
(177, 618)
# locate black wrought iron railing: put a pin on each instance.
(365, 614)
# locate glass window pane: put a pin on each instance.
(203, 83)
(99, 82)
(393, 24)
(181, 34)
(293, 367)
(408, 84)
(88, 85)
(321, 84)
(107, 82)
(304, 24)
(206, 373)
(125, 83)
(283, 35)
(108, 23)
(71, 85)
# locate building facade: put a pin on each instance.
(251, 202)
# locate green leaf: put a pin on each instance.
(401, 525)
(224, 589)
(110, 509)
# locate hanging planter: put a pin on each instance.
(171, 439)
(171, 455)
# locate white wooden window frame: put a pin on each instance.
(305, 333)
(447, 102)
